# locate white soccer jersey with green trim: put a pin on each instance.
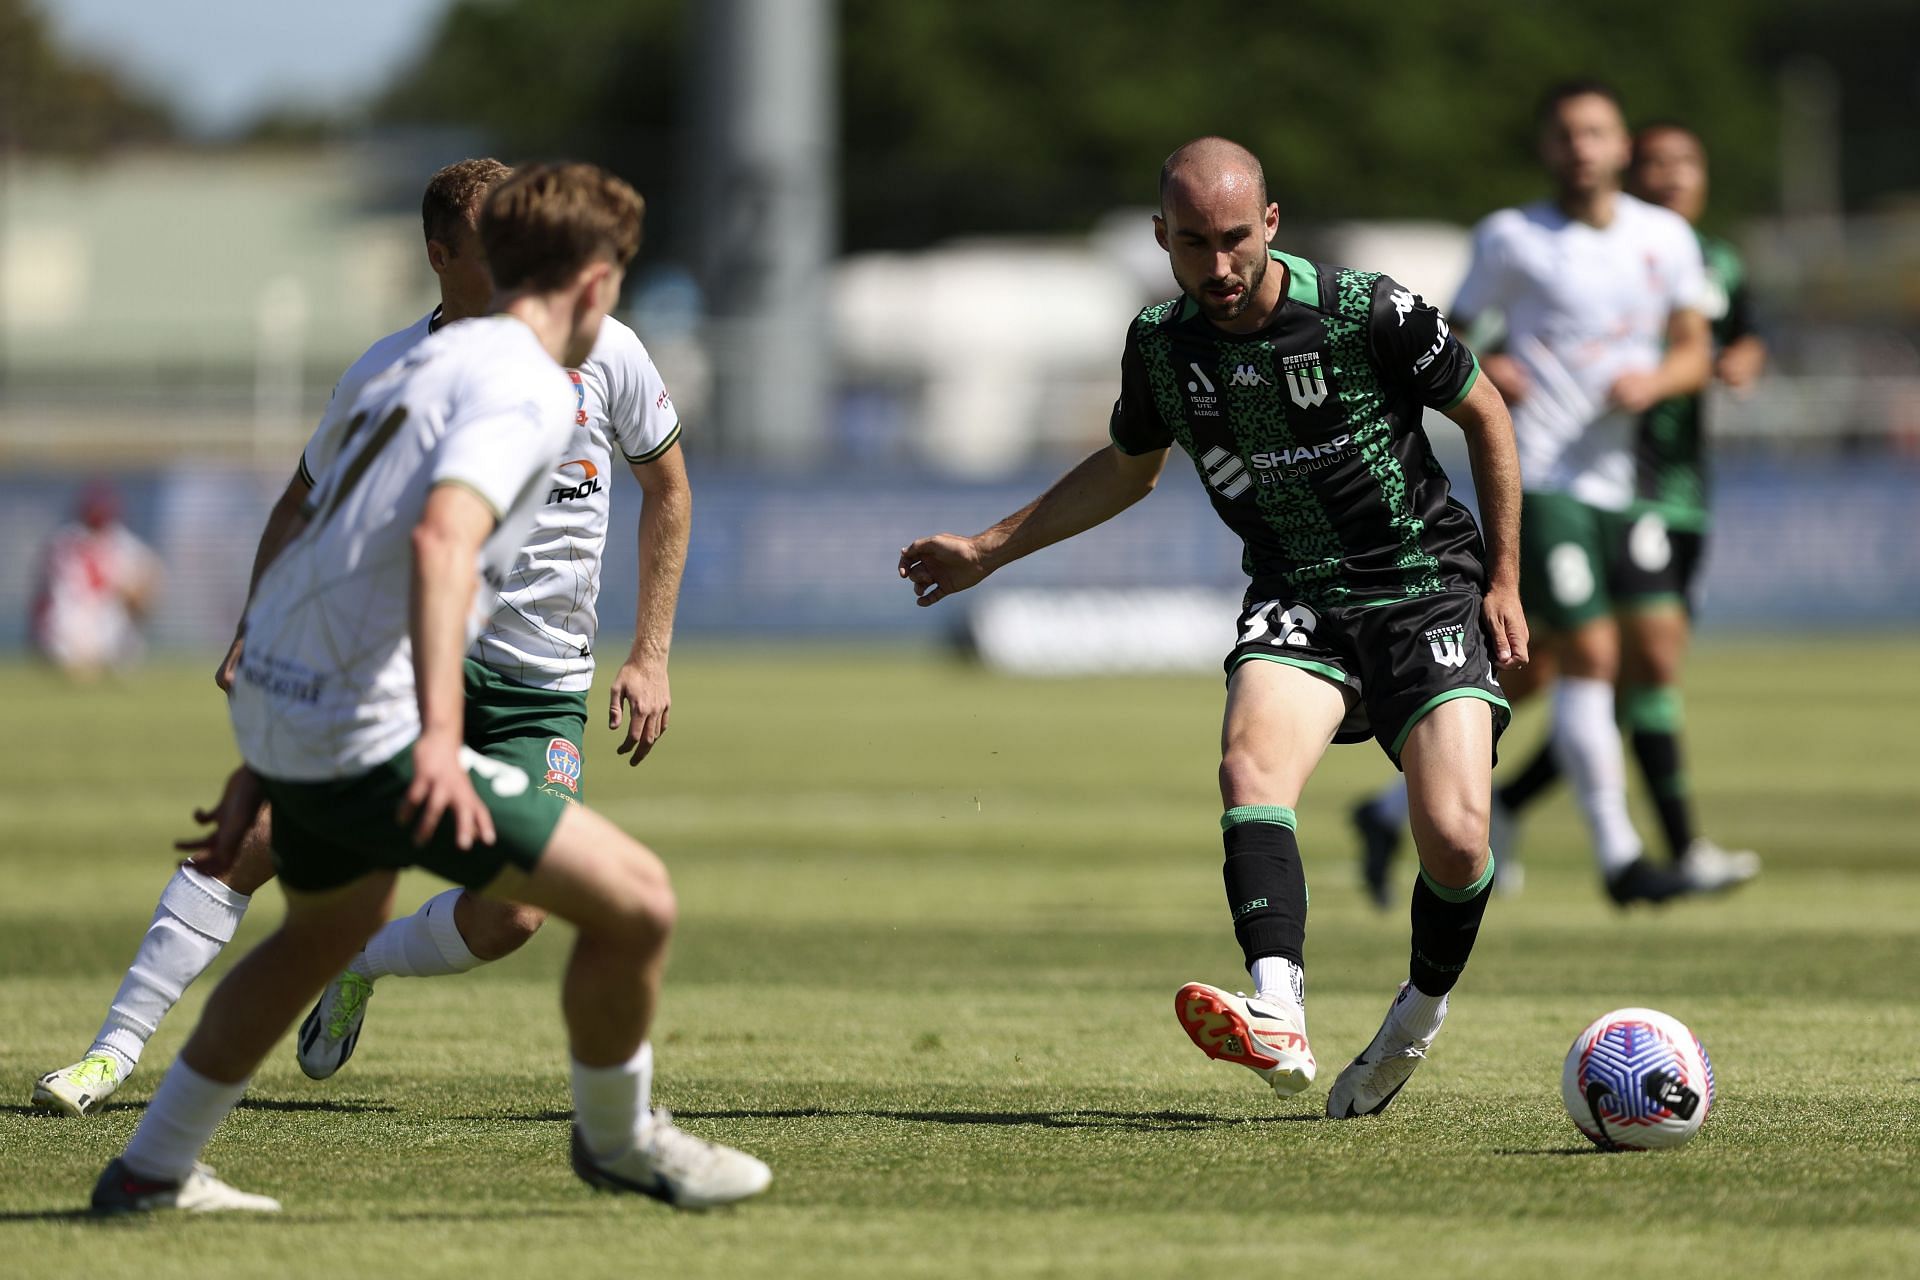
(1582, 305)
(545, 616)
(326, 685)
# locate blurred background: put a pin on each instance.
(892, 250)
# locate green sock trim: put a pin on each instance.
(1647, 708)
(1275, 813)
(1461, 895)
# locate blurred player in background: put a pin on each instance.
(526, 678)
(349, 710)
(1604, 299)
(97, 585)
(1374, 609)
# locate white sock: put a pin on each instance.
(425, 944)
(1391, 802)
(613, 1105)
(186, 1109)
(196, 918)
(1418, 1014)
(1282, 982)
(1586, 741)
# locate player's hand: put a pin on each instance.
(1741, 364)
(230, 665)
(642, 696)
(441, 788)
(213, 853)
(1635, 392)
(1509, 377)
(1506, 627)
(941, 565)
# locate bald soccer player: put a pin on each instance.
(1374, 609)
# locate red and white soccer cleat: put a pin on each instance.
(1265, 1038)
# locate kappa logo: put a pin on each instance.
(1306, 380)
(1225, 473)
(1245, 375)
(563, 764)
(589, 482)
(579, 398)
(1449, 646)
(1404, 301)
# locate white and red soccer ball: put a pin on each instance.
(1637, 1080)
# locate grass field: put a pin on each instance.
(932, 922)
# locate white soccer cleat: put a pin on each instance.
(1262, 1037)
(674, 1167)
(81, 1089)
(120, 1190)
(332, 1031)
(1709, 868)
(1375, 1078)
(1503, 841)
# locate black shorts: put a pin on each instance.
(1658, 564)
(1394, 661)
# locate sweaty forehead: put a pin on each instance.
(1213, 195)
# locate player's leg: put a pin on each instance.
(195, 919)
(616, 894)
(251, 1009)
(1279, 721)
(538, 731)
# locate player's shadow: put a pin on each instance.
(1152, 1121)
(331, 1106)
(1588, 1150)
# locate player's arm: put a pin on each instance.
(640, 688)
(1684, 370)
(1483, 419)
(446, 544)
(1744, 358)
(284, 522)
(1100, 488)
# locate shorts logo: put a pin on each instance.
(1449, 646)
(563, 764)
(1278, 623)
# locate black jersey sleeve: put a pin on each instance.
(1417, 349)
(1136, 426)
(1741, 321)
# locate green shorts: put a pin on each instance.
(525, 764)
(1570, 555)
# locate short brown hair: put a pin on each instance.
(454, 196)
(547, 222)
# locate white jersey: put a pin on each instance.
(326, 687)
(1582, 305)
(544, 617)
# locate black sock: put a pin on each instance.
(1266, 886)
(1541, 772)
(1445, 924)
(1659, 756)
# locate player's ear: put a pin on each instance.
(1272, 221)
(437, 256)
(1160, 231)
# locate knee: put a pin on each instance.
(1454, 848)
(647, 909)
(1242, 779)
(498, 929)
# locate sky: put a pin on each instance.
(221, 62)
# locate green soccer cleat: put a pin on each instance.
(332, 1031)
(81, 1089)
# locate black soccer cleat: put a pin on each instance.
(1642, 881)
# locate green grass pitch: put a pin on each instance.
(933, 920)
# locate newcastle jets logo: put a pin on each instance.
(1449, 646)
(1306, 382)
(1226, 473)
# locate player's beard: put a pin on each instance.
(1217, 311)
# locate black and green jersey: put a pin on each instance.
(1307, 434)
(1670, 451)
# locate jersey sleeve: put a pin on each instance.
(1485, 287)
(1686, 272)
(1136, 426)
(497, 444)
(643, 419)
(325, 443)
(1416, 347)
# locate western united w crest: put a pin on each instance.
(1306, 380)
(1449, 646)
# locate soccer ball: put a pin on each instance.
(1637, 1080)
